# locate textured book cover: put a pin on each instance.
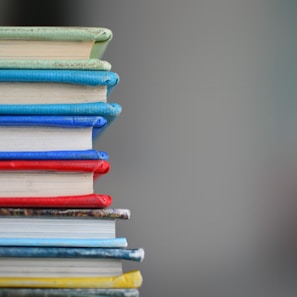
(80, 77)
(106, 213)
(118, 242)
(89, 64)
(99, 37)
(72, 252)
(36, 292)
(109, 111)
(55, 155)
(128, 280)
(74, 201)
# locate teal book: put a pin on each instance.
(55, 86)
(109, 111)
(36, 42)
(60, 292)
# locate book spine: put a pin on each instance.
(127, 280)
(60, 252)
(58, 292)
(83, 201)
(96, 213)
(65, 242)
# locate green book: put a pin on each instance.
(53, 43)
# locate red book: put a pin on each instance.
(83, 201)
(50, 178)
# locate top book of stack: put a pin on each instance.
(53, 43)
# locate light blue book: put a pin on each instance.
(43, 133)
(60, 292)
(72, 252)
(55, 86)
(118, 242)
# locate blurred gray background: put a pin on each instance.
(204, 151)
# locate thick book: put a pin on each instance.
(55, 86)
(49, 133)
(128, 280)
(60, 222)
(62, 262)
(85, 64)
(109, 111)
(49, 178)
(53, 42)
(58, 292)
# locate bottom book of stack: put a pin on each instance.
(65, 252)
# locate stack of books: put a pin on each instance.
(57, 236)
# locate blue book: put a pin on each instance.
(62, 252)
(55, 155)
(110, 111)
(49, 133)
(61, 292)
(53, 86)
(118, 242)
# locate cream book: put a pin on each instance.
(53, 42)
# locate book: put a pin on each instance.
(128, 280)
(60, 222)
(118, 242)
(109, 111)
(62, 262)
(52, 86)
(49, 178)
(58, 292)
(49, 133)
(55, 155)
(53, 42)
(84, 64)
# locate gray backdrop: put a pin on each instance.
(203, 152)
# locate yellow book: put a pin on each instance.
(132, 279)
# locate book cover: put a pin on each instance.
(75, 201)
(80, 77)
(129, 280)
(109, 111)
(72, 252)
(118, 242)
(54, 41)
(106, 213)
(58, 292)
(55, 155)
(84, 64)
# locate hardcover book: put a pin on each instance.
(49, 133)
(58, 292)
(87, 64)
(65, 262)
(53, 86)
(53, 42)
(128, 280)
(109, 111)
(48, 178)
(60, 222)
